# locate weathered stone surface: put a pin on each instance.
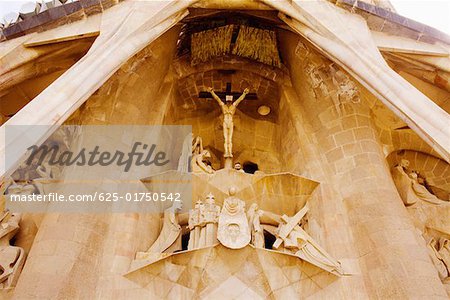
(306, 203)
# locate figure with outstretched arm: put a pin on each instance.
(290, 237)
(228, 111)
(241, 98)
(215, 97)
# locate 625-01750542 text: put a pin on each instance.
(101, 197)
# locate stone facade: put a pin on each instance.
(315, 200)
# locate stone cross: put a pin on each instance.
(227, 93)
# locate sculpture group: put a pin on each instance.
(203, 220)
(422, 204)
(235, 227)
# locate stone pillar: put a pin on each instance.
(84, 256)
(393, 259)
(328, 222)
(63, 260)
(142, 98)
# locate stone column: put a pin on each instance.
(142, 98)
(328, 222)
(392, 258)
(84, 256)
(63, 260)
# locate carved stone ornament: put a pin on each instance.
(233, 229)
(12, 258)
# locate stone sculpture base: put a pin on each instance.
(228, 163)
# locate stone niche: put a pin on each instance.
(256, 134)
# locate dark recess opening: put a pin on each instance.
(184, 241)
(269, 239)
(250, 167)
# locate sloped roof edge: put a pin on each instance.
(56, 16)
(74, 11)
(390, 16)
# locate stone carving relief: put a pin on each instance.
(209, 219)
(256, 229)
(238, 167)
(194, 157)
(439, 252)
(203, 220)
(444, 250)
(233, 230)
(228, 111)
(208, 224)
(411, 187)
(316, 78)
(347, 90)
(421, 191)
(199, 164)
(191, 150)
(169, 239)
(292, 238)
(194, 225)
(186, 154)
(197, 145)
(24, 188)
(236, 224)
(12, 258)
(328, 80)
(429, 214)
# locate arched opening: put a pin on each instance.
(250, 167)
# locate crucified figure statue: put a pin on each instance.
(228, 111)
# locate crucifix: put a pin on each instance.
(228, 108)
(223, 95)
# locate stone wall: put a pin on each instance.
(85, 255)
(324, 128)
(392, 257)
